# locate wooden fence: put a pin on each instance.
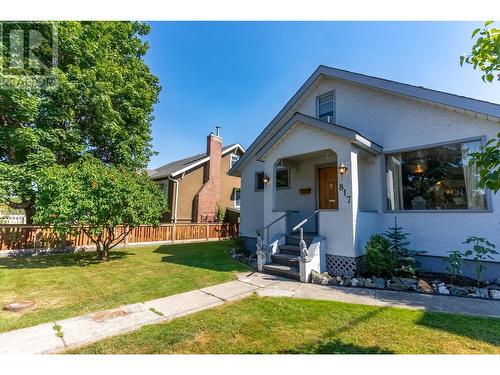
(16, 237)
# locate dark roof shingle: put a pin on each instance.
(167, 169)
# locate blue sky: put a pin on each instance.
(238, 75)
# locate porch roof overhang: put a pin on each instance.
(299, 118)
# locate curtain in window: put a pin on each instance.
(475, 195)
(394, 183)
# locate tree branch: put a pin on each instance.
(123, 235)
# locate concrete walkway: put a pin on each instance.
(93, 327)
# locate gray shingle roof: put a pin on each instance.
(170, 168)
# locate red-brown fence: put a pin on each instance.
(17, 236)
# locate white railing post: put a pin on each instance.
(261, 252)
(302, 244)
(310, 260)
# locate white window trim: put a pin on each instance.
(276, 178)
(235, 205)
(332, 92)
(232, 162)
(256, 181)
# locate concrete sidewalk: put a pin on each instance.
(96, 326)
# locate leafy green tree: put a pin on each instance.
(485, 54)
(103, 201)
(101, 105)
(488, 163)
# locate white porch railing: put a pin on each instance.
(310, 258)
(311, 261)
(267, 247)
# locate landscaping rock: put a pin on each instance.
(347, 281)
(424, 287)
(354, 282)
(19, 306)
(442, 289)
(458, 291)
(482, 293)
(401, 283)
(379, 283)
(320, 278)
(495, 294)
(339, 280)
(368, 283)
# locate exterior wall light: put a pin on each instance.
(342, 169)
(266, 179)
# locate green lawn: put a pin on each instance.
(69, 285)
(286, 325)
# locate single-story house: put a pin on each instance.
(198, 188)
(348, 153)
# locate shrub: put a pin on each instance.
(455, 261)
(482, 250)
(379, 260)
(406, 265)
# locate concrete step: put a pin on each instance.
(290, 250)
(286, 260)
(281, 270)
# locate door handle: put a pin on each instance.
(331, 200)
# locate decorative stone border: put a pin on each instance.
(491, 291)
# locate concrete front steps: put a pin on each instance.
(286, 262)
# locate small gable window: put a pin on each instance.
(325, 107)
(233, 160)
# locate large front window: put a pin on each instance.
(437, 178)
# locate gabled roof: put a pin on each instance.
(464, 104)
(178, 167)
(300, 118)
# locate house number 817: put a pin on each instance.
(342, 188)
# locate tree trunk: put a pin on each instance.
(105, 252)
(98, 249)
(29, 212)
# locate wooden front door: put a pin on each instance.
(327, 188)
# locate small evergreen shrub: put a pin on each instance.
(406, 265)
(379, 260)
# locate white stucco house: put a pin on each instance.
(350, 152)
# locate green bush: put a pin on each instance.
(379, 260)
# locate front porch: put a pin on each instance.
(326, 183)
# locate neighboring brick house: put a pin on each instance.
(198, 187)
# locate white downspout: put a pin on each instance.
(176, 196)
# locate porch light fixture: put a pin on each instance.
(342, 169)
(266, 179)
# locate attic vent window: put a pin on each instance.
(325, 107)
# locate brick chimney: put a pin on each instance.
(208, 197)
